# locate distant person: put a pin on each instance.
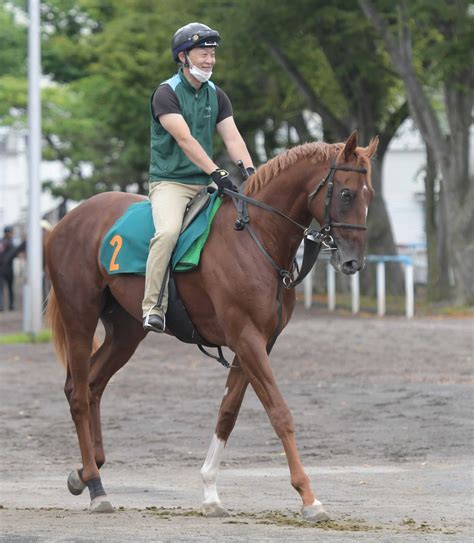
(62, 209)
(7, 254)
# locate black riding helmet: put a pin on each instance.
(193, 35)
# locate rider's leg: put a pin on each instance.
(168, 202)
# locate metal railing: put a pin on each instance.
(380, 261)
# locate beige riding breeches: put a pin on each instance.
(168, 203)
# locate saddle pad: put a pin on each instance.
(125, 247)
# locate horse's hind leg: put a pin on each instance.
(79, 339)
(123, 334)
(234, 393)
(75, 483)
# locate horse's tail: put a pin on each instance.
(53, 317)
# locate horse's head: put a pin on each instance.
(340, 203)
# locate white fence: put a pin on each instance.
(380, 261)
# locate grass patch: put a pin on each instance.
(44, 336)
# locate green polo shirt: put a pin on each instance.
(202, 109)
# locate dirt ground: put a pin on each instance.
(383, 410)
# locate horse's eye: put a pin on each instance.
(347, 195)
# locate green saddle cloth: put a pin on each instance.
(125, 247)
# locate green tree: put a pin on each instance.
(111, 57)
(13, 86)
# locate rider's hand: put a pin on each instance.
(222, 180)
(250, 171)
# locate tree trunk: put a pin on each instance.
(459, 186)
(460, 235)
(299, 125)
(437, 258)
(442, 253)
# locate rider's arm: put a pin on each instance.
(234, 142)
(175, 124)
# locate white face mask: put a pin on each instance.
(201, 75)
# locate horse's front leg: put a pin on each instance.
(256, 366)
(233, 395)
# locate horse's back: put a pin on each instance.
(76, 239)
(107, 203)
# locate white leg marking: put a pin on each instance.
(210, 469)
(314, 512)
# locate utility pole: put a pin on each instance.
(34, 248)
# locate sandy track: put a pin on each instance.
(383, 411)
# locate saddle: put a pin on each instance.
(196, 205)
(125, 246)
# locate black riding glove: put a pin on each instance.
(250, 171)
(222, 180)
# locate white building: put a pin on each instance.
(14, 178)
(403, 185)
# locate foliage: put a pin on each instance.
(109, 56)
(13, 91)
(12, 44)
(44, 336)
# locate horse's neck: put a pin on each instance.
(287, 192)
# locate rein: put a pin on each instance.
(313, 238)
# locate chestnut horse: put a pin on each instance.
(231, 298)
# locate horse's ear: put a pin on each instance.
(372, 147)
(350, 147)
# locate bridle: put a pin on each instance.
(328, 224)
(313, 238)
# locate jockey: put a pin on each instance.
(185, 112)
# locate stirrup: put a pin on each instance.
(149, 327)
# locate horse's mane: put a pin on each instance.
(317, 151)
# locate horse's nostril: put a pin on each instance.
(351, 266)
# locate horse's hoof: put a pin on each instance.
(314, 512)
(101, 504)
(214, 509)
(75, 483)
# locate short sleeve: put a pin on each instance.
(224, 105)
(164, 101)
